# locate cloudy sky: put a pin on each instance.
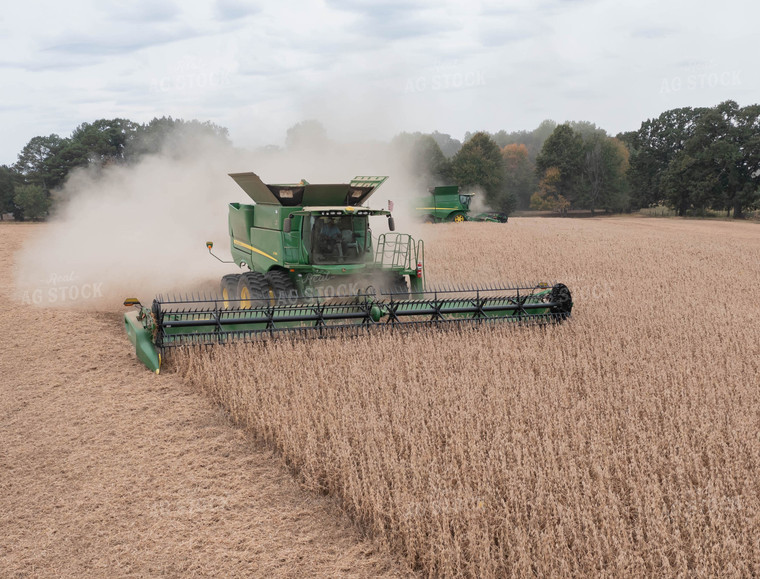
(368, 70)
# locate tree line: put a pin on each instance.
(689, 159)
(45, 162)
(553, 167)
(694, 159)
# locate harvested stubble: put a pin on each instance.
(626, 441)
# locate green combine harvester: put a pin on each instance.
(448, 204)
(313, 267)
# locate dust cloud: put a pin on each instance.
(139, 230)
(478, 203)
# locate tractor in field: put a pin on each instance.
(448, 204)
(312, 267)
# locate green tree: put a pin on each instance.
(449, 146)
(724, 149)
(542, 132)
(587, 130)
(747, 128)
(47, 161)
(310, 134)
(103, 141)
(175, 137)
(618, 160)
(33, 201)
(479, 164)
(564, 151)
(533, 140)
(605, 168)
(38, 161)
(428, 157)
(653, 147)
(8, 179)
(716, 164)
(678, 181)
(520, 173)
(548, 197)
(422, 157)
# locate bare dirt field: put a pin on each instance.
(107, 470)
(625, 442)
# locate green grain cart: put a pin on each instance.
(447, 204)
(312, 266)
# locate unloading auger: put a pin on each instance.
(314, 270)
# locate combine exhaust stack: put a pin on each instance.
(172, 322)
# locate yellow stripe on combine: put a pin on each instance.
(421, 208)
(251, 248)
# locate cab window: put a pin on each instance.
(335, 239)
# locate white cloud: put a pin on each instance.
(368, 69)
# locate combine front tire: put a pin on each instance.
(283, 289)
(458, 218)
(563, 301)
(230, 289)
(253, 289)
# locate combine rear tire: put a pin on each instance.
(282, 287)
(253, 290)
(458, 218)
(230, 289)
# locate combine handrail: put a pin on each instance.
(396, 251)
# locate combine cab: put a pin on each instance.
(304, 240)
(448, 204)
(313, 266)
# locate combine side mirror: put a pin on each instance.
(286, 225)
(391, 223)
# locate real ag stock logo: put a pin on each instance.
(62, 288)
(701, 76)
